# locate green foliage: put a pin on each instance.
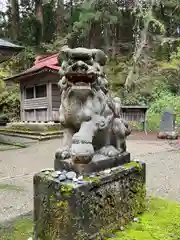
(116, 71)
(3, 74)
(54, 46)
(153, 86)
(23, 60)
(4, 118)
(162, 98)
(167, 101)
(92, 22)
(10, 103)
(165, 91)
(19, 62)
(172, 71)
(1, 86)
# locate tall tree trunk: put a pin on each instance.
(72, 43)
(114, 41)
(60, 18)
(91, 42)
(106, 38)
(14, 19)
(71, 12)
(39, 19)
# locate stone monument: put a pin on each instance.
(94, 188)
(167, 126)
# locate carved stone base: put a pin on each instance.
(93, 208)
(98, 163)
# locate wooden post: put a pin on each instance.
(145, 121)
(35, 117)
(22, 113)
(49, 96)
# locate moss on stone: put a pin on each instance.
(24, 130)
(60, 210)
(14, 129)
(137, 204)
(133, 164)
(69, 212)
(63, 204)
(54, 129)
(66, 189)
(161, 221)
(30, 132)
(92, 179)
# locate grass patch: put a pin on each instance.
(21, 230)
(10, 187)
(160, 222)
(5, 147)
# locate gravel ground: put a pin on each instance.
(17, 168)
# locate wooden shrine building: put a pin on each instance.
(40, 94)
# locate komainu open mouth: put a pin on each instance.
(81, 78)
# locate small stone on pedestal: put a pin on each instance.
(98, 163)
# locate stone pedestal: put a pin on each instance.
(91, 207)
(98, 163)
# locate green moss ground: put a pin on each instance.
(161, 221)
(22, 230)
(5, 147)
(10, 187)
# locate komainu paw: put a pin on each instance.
(63, 153)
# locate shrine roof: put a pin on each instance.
(41, 64)
(7, 44)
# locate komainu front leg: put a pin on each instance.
(121, 131)
(117, 136)
(121, 145)
(109, 151)
(82, 149)
(65, 151)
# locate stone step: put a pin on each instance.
(11, 137)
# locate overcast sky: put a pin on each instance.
(3, 5)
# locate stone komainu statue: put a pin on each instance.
(90, 116)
